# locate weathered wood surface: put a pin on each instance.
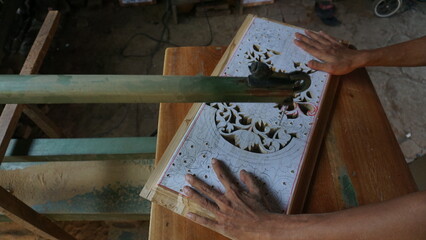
(11, 112)
(43, 122)
(360, 161)
(32, 65)
(128, 162)
(41, 45)
(8, 120)
(11, 206)
(164, 223)
(101, 190)
(20, 213)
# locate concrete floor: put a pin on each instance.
(108, 40)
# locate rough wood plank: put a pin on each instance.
(308, 164)
(360, 160)
(8, 120)
(79, 190)
(11, 113)
(41, 44)
(164, 223)
(11, 206)
(20, 213)
(32, 65)
(43, 122)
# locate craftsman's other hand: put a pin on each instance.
(239, 214)
(337, 58)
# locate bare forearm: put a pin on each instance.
(402, 218)
(410, 53)
(337, 59)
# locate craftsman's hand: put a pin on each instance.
(239, 214)
(337, 58)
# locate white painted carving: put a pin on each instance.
(266, 139)
(251, 128)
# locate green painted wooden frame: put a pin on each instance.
(52, 89)
(100, 204)
(80, 149)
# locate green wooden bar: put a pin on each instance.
(81, 149)
(52, 89)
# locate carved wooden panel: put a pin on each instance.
(270, 140)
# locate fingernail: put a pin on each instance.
(190, 215)
(214, 160)
(186, 190)
(188, 177)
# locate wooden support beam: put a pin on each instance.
(20, 213)
(43, 122)
(32, 65)
(8, 120)
(11, 113)
(41, 44)
(11, 206)
(132, 89)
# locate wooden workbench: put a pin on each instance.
(360, 161)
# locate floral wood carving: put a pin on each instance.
(259, 129)
(266, 139)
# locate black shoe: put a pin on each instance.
(325, 11)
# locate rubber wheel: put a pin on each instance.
(386, 8)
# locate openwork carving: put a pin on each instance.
(256, 53)
(252, 127)
(266, 139)
(258, 128)
(302, 103)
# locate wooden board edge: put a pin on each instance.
(150, 187)
(308, 163)
(282, 23)
(231, 48)
(178, 203)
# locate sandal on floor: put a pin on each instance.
(325, 11)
